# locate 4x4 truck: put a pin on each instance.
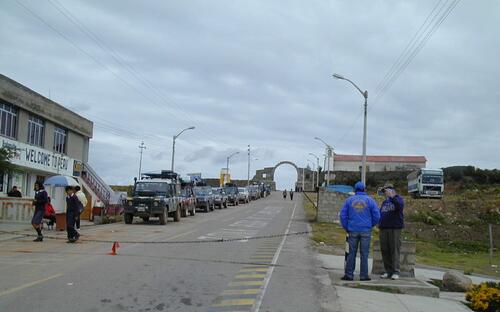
(155, 195)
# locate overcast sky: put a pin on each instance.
(259, 73)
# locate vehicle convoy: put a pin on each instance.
(232, 194)
(253, 192)
(204, 198)
(188, 200)
(220, 197)
(156, 195)
(243, 195)
(426, 183)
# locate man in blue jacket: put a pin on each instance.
(358, 216)
(391, 224)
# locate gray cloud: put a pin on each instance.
(259, 73)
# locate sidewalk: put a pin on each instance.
(354, 299)
(26, 228)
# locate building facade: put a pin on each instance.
(352, 163)
(46, 138)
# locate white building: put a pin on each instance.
(352, 163)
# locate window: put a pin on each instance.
(60, 135)
(8, 120)
(35, 131)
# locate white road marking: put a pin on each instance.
(13, 290)
(273, 263)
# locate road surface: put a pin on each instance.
(268, 274)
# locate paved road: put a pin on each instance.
(272, 274)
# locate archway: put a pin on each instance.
(285, 176)
(304, 176)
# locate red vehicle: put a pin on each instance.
(188, 200)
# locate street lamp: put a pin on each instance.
(173, 145)
(229, 157)
(313, 170)
(365, 95)
(317, 167)
(329, 149)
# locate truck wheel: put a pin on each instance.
(128, 218)
(177, 214)
(145, 219)
(192, 212)
(184, 212)
(163, 218)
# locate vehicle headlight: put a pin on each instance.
(130, 203)
(155, 204)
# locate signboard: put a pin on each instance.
(33, 157)
(194, 177)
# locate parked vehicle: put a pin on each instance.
(188, 200)
(220, 197)
(254, 192)
(243, 195)
(155, 195)
(426, 183)
(232, 194)
(204, 198)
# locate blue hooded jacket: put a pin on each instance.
(360, 212)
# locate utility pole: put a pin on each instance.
(303, 178)
(248, 173)
(142, 147)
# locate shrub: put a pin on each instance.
(484, 297)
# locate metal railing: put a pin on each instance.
(98, 186)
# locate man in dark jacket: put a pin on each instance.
(72, 212)
(391, 224)
(358, 216)
(41, 199)
(14, 192)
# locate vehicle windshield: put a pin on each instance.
(217, 191)
(432, 179)
(242, 190)
(202, 191)
(231, 190)
(154, 187)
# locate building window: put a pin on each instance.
(35, 131)
(8, 120)
(60, 135)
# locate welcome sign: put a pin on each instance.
(33, 157)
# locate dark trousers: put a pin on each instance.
(390, 246)
(77, 222)
(70, 225)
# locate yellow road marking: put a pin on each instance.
(234, 302)
(252, 291)
(254, 270)
(13, 290)
(249, 276)
(246, 283)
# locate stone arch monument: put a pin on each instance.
(304, 176)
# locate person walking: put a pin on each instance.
(83, 201)
(41, 199)
(291, 194)
(284, 194)
(358, 216)
(72, 211)
(391, 224)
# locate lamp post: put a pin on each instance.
(248, 172)
(365, 95)
(329, 150)
(142, 147)
(229, 157)
(173, 145)
(313, 171)
(317, 168)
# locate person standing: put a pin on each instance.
(41, 199)
(358, 216)
(284, 194)
(291, 194)
(83, 201)
(391, 224)
(72, 211)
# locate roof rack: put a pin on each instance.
(164, 174)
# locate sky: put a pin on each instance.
(259, 73)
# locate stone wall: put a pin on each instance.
(407, 259)
(329, 204)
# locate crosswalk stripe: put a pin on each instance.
(246, 283)
(249, 276)
(255, 270)
(250, 291)
(234, 302)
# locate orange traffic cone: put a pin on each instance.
(115, 247)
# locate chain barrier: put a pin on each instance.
(218, 240)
